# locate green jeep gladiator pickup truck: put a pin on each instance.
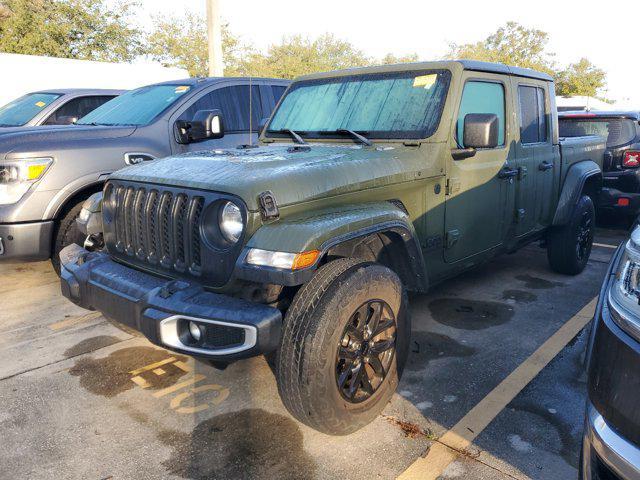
(367, 183)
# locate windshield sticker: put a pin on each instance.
(182, 89)
(425, 81)
(40, 104)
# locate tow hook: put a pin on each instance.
(94, 242)
(1, 247)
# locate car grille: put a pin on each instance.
(158, 228)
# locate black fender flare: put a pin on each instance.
(572, 188)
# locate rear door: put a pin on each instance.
(535, 156)
(479, 189)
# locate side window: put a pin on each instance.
(76, 108)
(482, 97)
(235, 105)
(278, 90)
(533, 119)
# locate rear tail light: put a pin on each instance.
(631, 159)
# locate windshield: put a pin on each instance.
(20, 111)
(137, 107)
(617, 131)
(394, 105)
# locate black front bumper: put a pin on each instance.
(160, 308)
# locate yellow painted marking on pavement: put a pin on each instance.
(159, 371)
(457, 440)
(70, 322)
(152, 366)
(178, 386)
(221, 394)
(605, 245)
(141, 382)
(183, 366)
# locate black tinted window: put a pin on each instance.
(235, 105)
(617, 131)
(76, 108)
(533, 120)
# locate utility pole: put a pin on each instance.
(214, 30)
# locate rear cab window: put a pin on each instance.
(617, 131)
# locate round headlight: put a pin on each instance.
(231, 224)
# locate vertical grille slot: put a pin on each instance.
(158, 227)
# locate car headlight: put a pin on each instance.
(624, 295)
(17, 176)
(231, 224)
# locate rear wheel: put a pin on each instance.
(344, 346)
(66, 232)
(569, 246)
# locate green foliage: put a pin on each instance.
(82, 29)
(391, 59)
(581, 78)
(516, 45)
(182, 42)
(512, 44)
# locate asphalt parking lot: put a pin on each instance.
(81, 398)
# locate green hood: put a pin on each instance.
(293, 175)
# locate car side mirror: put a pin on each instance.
(481, 130)
(205, 125)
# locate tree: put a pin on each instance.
(391, 59)
(298, 55)
(512, 44)
(182, 42)
(581, 78)
(82, 29)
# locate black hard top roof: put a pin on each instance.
(504, 69)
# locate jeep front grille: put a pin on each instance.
(158, 226)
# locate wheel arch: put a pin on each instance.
(583, 177)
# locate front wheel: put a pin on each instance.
(66, 233)
(344, 346)
(569, 246)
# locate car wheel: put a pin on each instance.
(65, 233)
(569, 246)
(344, 345)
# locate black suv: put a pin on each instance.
(621, 182)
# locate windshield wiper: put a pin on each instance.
(296, 137)
(343, 131)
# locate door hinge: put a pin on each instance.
(447, 189)
(452, 238)
(522, 172)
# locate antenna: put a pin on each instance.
(250, 111)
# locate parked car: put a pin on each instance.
(621, 182)
(46, 174)
(369, 182)
(54, 107)
(611, 442)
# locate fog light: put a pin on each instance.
(195, 331)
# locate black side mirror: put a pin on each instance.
(262, 124)
(205, 125)
(481, 130)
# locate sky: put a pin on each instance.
(604, 33)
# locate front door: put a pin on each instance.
(479, 198)
(535, 158)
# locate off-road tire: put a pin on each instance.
(313, 328)
(65, 233)
(563, 250)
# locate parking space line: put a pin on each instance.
(457, 441)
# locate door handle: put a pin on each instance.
(507, 172)
(544, 166)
